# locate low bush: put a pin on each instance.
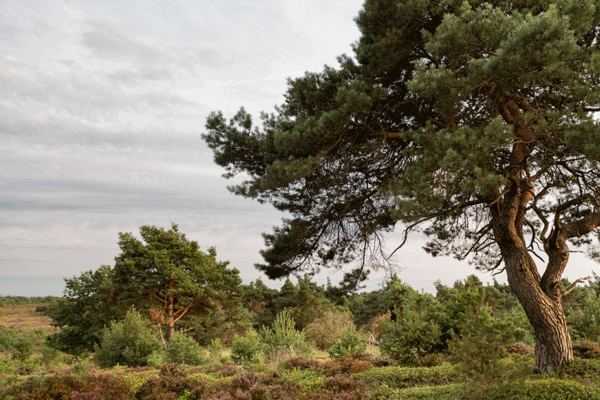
(539, 389)
(581, 369)
(244, 349)
(182, 349)
(586, 349)
(403, 377)
(67, 386)
(283, 338)
(444, 392)
(344, 365)
(350, 344)
(171, 383)
(129, 342)
(323, 332)
(273, 387)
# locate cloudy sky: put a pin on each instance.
(102, 104)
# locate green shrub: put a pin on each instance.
(586, 322)
(350, 344)
(8, 335)
(283, 337)
(157, 358)
(24, 345)
(414, 334)
(403, 377)
(245, 348)
(445, 392)
(215, 349)
(542, 389)
(128, 342)
(182, 349)
(581, 368)
(480, 345)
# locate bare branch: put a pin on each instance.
(573, 285)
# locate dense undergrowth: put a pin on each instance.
(301, 378)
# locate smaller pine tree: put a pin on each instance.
(128, 342)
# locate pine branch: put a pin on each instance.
(573, 285)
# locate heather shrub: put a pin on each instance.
(171, 383)
(245, 348)
(326, 329)
(128, 342)
(404, 377)
(67, 386)
(586, 349)
(344, 365)
(350, 344)
(586, 369)
(541, 389)
(300, 363)
(182, 349)
(270, 386)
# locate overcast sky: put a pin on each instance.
(102, 104)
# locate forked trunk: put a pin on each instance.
(543, 309)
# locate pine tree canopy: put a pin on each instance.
(449, 115)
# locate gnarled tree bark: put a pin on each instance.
(540, 296)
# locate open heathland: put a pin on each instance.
(278, 361)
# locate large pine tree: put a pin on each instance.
(471, 121)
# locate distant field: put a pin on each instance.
(24, 317)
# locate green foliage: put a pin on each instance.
(182, 349)
(283, 336)
(86, 308)
(245, 348)
(326, 329)
(350, 344)
(166, 277)
(8, 335)
(472, 122)
(480, 344)
(547, 389)
(21, 300)
(414, 333)
(469, 295)
(215, 349)
(128, 342)
(24, 345)
(20, 343)
(174, 274)
(404, 377)
(310, 302)
(585, 323)
(258, 299)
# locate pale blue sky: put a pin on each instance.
(102, 104)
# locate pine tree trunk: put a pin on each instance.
(543, 309)
(170, 318)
